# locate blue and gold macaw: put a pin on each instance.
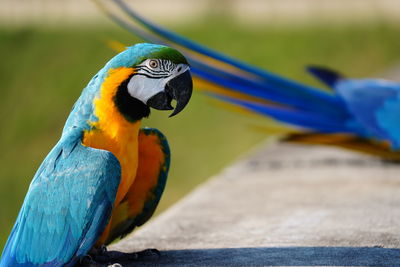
(105, 176)
(362, 115)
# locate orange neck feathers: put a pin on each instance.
(113, 132)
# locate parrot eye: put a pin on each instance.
(153, 64)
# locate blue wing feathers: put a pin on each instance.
(67, 206)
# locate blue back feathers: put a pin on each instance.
(66, 208)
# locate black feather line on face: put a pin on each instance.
(131, 108)
(152, 76)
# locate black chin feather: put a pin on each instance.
(131, 108)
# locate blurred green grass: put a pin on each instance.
(43, 70)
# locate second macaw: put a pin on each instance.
(106, 174)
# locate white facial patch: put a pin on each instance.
(151, 77)
(142, 87)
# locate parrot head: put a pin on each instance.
(159, 74)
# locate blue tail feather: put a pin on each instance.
(291, 116)
(266, 91)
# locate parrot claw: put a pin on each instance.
(103, 257)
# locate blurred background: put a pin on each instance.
(50, 49)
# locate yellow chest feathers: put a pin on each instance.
(113, 132)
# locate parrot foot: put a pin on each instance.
(102, 257)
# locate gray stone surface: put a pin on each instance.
(283, 205)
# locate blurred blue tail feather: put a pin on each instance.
(292, 116)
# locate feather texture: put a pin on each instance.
(66, 208)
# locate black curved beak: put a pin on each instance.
(179, 88)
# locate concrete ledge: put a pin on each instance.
(283, 205)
